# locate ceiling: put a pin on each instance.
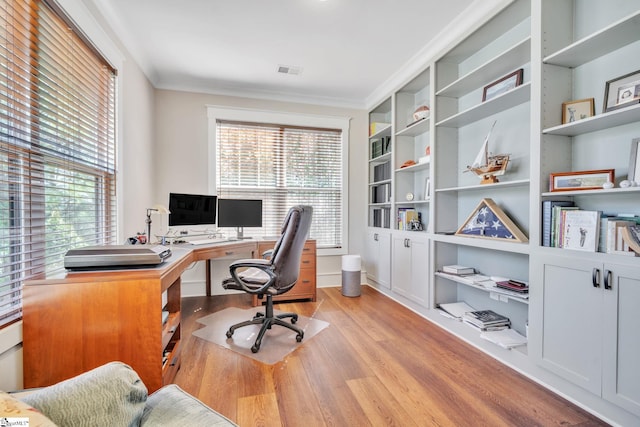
(347, 50)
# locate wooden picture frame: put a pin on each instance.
(580, 180)
(573, 111)
(622, 92)
(634, 161)
(488, 221)
(502, 85)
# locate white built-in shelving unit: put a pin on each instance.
(582, 305)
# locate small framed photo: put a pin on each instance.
(634, 162)
(580, 180)
(427, 189)
(505, 84)
(573, 111)
(622, 92)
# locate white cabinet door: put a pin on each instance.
(401, 271)
(384, 259)
(419, 270)
(410, 277)
(621, 371)
(570, 323)
(378, 257)
(370, 255)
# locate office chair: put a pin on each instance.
(273, 276)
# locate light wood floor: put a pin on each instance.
(377, 364)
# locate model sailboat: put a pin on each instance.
(487, 166)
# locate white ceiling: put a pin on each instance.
(348, 49)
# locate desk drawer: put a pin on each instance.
(305, 288)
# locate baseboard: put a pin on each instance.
(196, 288)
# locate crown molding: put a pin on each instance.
(462, 26)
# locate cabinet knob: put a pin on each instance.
(607, 280)
(595, 277)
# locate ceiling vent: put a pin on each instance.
(288, 69)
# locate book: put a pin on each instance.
(509, 292)
(458, 269)
(485, 318)
(456, 309)
(405, 217)
(580, 230)
(614, 234)
(556, 224)
(631, 235)
(506, 338)
(512, 287)
(547, 210)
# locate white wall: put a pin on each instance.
(181, 166)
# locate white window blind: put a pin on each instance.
(283, 166)
(57, 146)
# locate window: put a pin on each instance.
(285, 165)
(57, 146)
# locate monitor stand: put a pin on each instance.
(240, 234)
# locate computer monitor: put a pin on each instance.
(191, 209)
(239, 213)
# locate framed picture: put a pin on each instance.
(577, 110)
(622, 92)
(505, 84)
(634, 161)
(488, 221)
(427, 189)
(580, 180)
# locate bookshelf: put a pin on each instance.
(575, 64)
(463, 119)
(380, 165)
(567, 50)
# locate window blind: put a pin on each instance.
(57, 146)
(283, 166)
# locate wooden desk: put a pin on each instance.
(223, 250)
(76, 321)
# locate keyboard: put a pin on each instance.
(207, 241)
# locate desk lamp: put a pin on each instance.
(158, 209)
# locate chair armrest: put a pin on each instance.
(260, 264)
(267, 254)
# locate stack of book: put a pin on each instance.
(458, 269)
(517, 286)
(486, 320)
(611, 233)
(405, 217)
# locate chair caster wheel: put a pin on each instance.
(299, 337)
(229, 334)
(254, 349)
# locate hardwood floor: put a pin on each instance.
(377, 364)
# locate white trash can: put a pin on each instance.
(351, 275)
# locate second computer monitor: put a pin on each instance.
(239, 213)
